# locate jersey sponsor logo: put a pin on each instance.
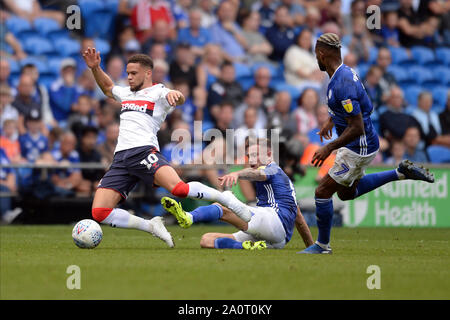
(347, 104)
(138, 105)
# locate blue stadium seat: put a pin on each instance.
(46, 25)
(54, 65)
(438, 154)
(246, 82)
(400, 74)
(441, 74)
(39, 62)
(14, 67)
(67, 47)
(399, 55)
(55, 35)
(439, 97)
(242, 70)
(101, 16)
(362, 70)
(420, 74)
(373, 54)
(422, 55)
(443, 55)
(103, 46)
(411, 93)
(38, 46)
(18, 25)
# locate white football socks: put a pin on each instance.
(123, 219)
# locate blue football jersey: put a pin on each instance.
(278, 192)
(4, 172)
(348, 97)
(73, 157)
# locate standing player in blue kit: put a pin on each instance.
(350, 108)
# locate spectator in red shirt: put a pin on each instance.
(146, 13)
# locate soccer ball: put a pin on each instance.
(87, 234)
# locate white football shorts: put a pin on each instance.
(349, 166)
(264, 225)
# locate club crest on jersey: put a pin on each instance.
(347, 104)
(138, 105)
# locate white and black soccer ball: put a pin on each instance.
(87, 234)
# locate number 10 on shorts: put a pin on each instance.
(149, 161)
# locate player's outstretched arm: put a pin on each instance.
(251, 174)
(303, 229)
(93, 59)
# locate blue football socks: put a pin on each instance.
(207, 213)
(324, 215)
(375, 180)
(227, 243)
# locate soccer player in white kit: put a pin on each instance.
(144, 108)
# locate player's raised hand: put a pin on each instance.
(229, 180)
(175, 98)
(92, 57)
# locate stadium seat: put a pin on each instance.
(14, 67)
(443, 55)
(439, 97)
(40, 63)
(441, 74)
(400, 74)
(362, 70)
(46, 25)
(411, 93)
(47, 79)
(242, 70)
(400, 55)
(18, 25)
(246, 82)
(54, 65)
(67, 47)
(102, 17)
(38, 46)
(438, 154)
(420, 74)
(373, 54)
(102, 46)
(422, 55)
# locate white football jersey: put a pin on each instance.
(141, 115)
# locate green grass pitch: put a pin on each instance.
(414, 264)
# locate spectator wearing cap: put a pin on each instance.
(257, 47)
(64, 92)
(24, 102)
(301, 69)
(33, 143)
(281, 35)
(183, 66)
(89, 153)
(227, 33)
(7, 111)
(194, 34)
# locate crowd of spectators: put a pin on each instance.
(243, 65)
